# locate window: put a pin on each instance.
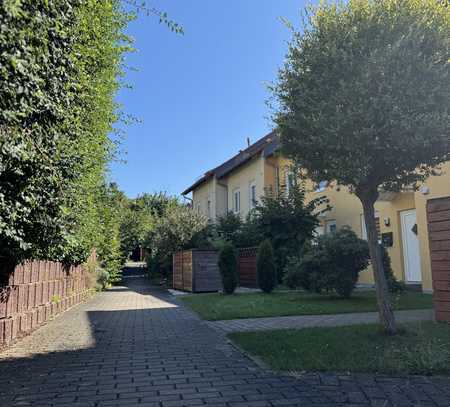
(330, 226)
(209, 209)
(322, 186)
(277, 180)
(289, 180)
(364, 230)
(237, 201)
(199, 208)
(252, 195)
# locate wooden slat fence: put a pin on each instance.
(197, 270)
(438, 213)
(247, 267)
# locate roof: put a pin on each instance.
(265, 146)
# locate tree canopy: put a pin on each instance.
(363, 99)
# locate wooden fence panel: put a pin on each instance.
(247, 267)
(438, 214)
(206, 276)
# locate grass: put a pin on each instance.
(255, 305)
(421, 348)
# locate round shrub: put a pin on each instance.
(265, 266)
(332, 264)
(228, 268)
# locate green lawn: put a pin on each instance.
(218, 306)
(422, 348)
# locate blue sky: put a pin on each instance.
(199, 95)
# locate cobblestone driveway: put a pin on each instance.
(135, 346)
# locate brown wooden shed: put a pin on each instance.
(196, 271)
(438, 213)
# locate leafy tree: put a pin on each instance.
(139, 217)
(363, 100)
(228, 268)
(265, 267)
(229, 227)
(173, 231)
(241, 233)
(287, 221)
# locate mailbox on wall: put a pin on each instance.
(387, 239)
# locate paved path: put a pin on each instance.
(135, 346)
(307, 321)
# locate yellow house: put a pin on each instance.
(238, 184)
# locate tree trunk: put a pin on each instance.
(386, 314)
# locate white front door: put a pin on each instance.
(411, 250)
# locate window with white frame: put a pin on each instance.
(252, 195)
(322, 186)
(277, 180)
(330, 226)
(236, 201)
(289, 180)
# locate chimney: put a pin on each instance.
(248, 141)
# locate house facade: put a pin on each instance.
(238, 184)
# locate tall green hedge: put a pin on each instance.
(60, 64)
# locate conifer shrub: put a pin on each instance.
(228, 268)
(266, 269)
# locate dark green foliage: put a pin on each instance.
(228, 227)
(265, 267)
(33, 100)
(241, 233)
(394, 285)
(288, 222)
(347, 107)
(228, 268)
(175, 227)
(332, 264)
(307, 270)
(59, 70)
(285, 219)
(140, 215)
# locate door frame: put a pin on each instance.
(405, 253)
